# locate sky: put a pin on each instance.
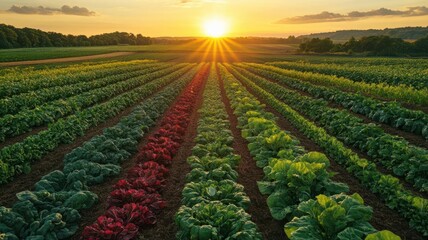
(155, 18)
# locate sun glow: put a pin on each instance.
(215, 28)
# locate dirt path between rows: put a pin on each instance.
(66, 59)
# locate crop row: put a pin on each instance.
(382, 91)
(386, 187)
(29, 100)
(17, 158)
(393, 152)
(14, 125)
(136, 199)
(25, 81)
(213, 203)
(391, 113)
(370, 74)
(409, 63)
(299, 186)
(51, 210)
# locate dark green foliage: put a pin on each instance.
(374, 45)
(11, 37)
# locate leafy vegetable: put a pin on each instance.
(336, 217)
(225, 191)
(215, 220)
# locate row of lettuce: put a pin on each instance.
(381, 91)
(387, 187)
(49, 112)
(299, 186)
(135, 200)
(17, 158)
(22, 80)
(51, 210)
(393, 152)
(397, 75)
(214, 204)
(29, 100)
(391, 113)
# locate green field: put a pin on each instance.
(252, 125)
(161, 52)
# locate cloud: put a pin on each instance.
(79, 11)
(40, 10)
(355, 15)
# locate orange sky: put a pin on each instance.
(186, 17)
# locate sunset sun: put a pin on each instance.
(215, 28)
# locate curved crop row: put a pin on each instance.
(414, 63)
(294, 178)
(17, 158)
(391, 113)
(14, 125)
(393, 152)
(50, 211)
(404, 95)
(25, 81)
(135, 200)
(386, 187)
(30, 100)
(213, 203)
(370, 74)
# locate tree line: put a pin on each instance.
(373, 45)
(11, 37)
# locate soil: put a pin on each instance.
(383, 217)
(66, 59)
(249, 174)
(54, 160)
(21, 137)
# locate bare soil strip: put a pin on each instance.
(249, 174)
(383, 217)
(67, 59)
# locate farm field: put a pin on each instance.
(153, 51)
(213, 141)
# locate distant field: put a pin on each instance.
(161, 52)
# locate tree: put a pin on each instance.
(143, 40)
(421, 45)
(317, 45)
